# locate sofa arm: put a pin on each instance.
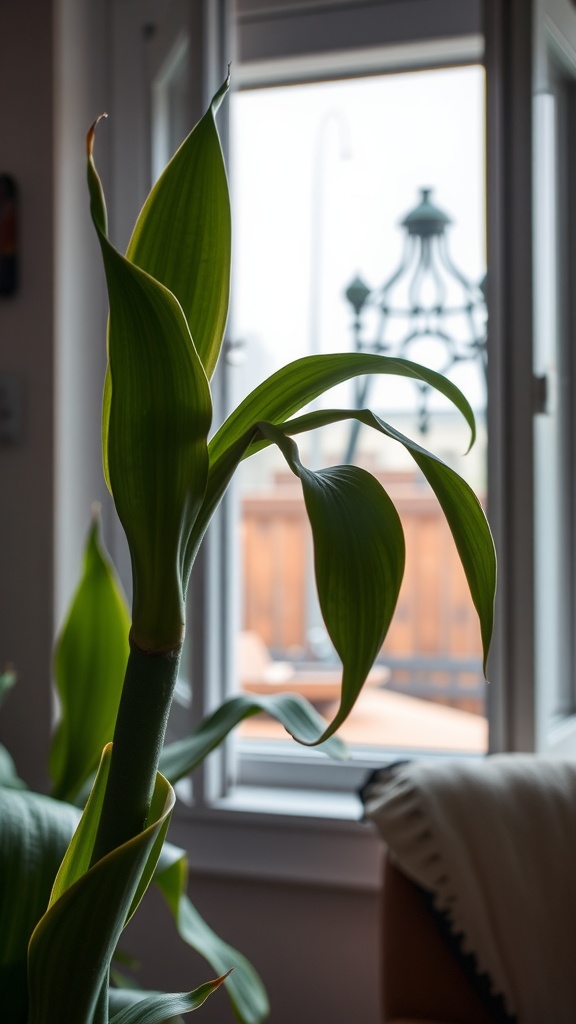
(422, 980)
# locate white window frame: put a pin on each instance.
(554, 116)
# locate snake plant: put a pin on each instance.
(70, 879)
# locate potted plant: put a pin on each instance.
(70, 881)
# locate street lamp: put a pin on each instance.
(441, 305)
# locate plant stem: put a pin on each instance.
(138, 739)
(101, 1009)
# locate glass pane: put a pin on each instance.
(324, 176)
(170, 123)
(170, 107)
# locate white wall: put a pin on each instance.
(317, 949)
(27, 350)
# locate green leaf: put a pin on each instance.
(297, 716)
(160, 1008)
(79, 854)
(33, 838)
(78, 857)
(121, 998)
(470, 530)
(283, 394)
(244, 987)
(291, 388)
(183, 234)
(160, 411)
(359, 558)
(68, 961)
(464, 513)
(89, 665)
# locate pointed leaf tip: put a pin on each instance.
(91, 133)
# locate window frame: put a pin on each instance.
(554, 216)
(263, 776)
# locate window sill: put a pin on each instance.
(289, 836)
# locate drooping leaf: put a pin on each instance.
(297, 716)
(280, 396)
(68, 960)
(470, 530)
(160, 410)
(182, 237)
(35, 831)
(464, 513)
(163, 1007)
(244, 987)
(359, 560)
(89, 664)
(300, 382)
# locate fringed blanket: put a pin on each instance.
(494, 842)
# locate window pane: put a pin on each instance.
(170, 112)
(323, 176)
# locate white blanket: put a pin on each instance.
(494, 841)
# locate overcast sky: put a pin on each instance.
(331, 169)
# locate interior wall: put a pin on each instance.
(53, 83)
(316, 948)
(26, 351)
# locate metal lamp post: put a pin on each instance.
(439, 295)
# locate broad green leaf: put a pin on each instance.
(359, 560)
(244, 987)
(33, 838)
(160, 1008)
(297, 716)
(464, 513)
(159, 415)
(89, 664)
(183, 234)
(68, 959)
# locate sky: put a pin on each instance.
(322, 175)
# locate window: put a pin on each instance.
(343, 189)
(322, 174)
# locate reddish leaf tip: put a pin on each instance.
(91, 133)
